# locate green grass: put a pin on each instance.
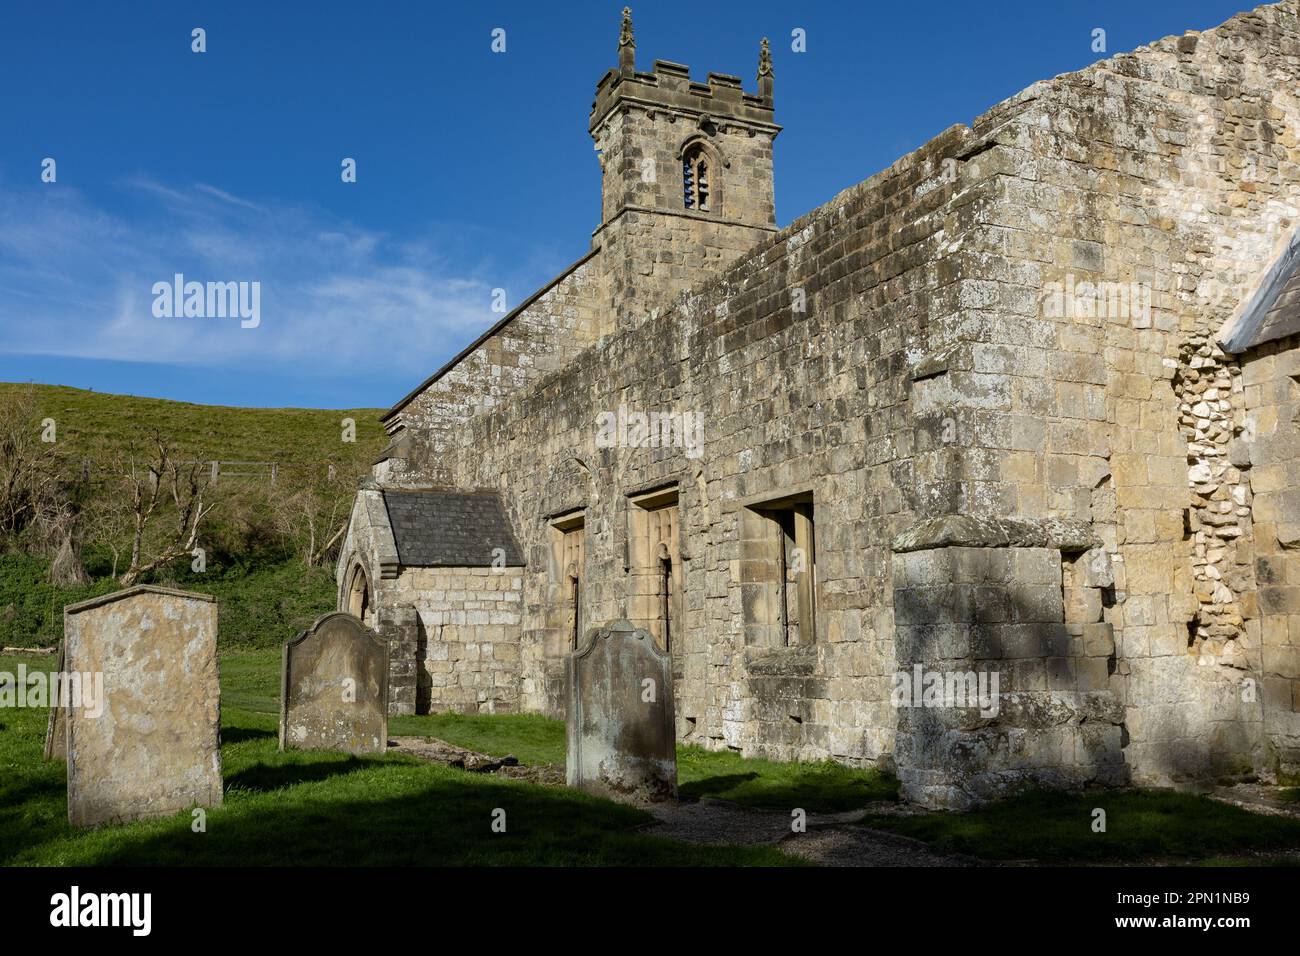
(98, 425)
(530, 737)
(328, 809)
(266, 592)
(333, 809)
(250, 681)
(825, 787)
(259, 606)
(1140, 826)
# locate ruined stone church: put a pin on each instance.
(1024, 404)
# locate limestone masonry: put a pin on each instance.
(986, 472)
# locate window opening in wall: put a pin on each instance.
(798, 582)
(576, 600)
(695, 179)
(571, 560)
(655, 582)
(665, 593)
(781, 544)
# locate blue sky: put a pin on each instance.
(474, 169)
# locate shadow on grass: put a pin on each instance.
(35, 788)
(397, 814)
(236, 735)
(714, 786)
(825, 787)
(1054, 827)
(264, 778)
(32, 808)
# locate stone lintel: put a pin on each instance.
(987, 531)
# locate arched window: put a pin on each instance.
(695, 178)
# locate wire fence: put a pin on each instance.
(268, 471)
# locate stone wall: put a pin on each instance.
(1171, 170)
(812, 401)
(1014, 320)
(1209, 386)
(468, 645)
(655, 247)
(999, 617)
(539, 337)
(369, 550)
(1272, 399)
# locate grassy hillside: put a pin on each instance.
(255, 562)
(262, 604)
(97, 425)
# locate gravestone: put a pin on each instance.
(620, 729)
(56, 725)
(334, 688)
(155, 748)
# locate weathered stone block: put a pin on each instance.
(621, 741)
(155, 749)
(334, 683)
(1098, 640)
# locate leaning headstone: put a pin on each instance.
(620, 725)
(56, 727)
(151, 745)
(334, 688)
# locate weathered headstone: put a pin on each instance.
(334, 688)
(155, 748)
(620, 724)
(56, 727)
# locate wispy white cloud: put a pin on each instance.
(76, 281)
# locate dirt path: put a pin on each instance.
(831, 839)
(439, 751)
(1258, 798)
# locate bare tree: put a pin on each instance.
(110, 519)
(314, 517)
(38, 499)
(31, 488)
(180, 488)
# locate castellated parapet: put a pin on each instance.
(686, 183)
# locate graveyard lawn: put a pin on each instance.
(1148, 827)
(252, 680)
(328, 809)
(335, 809)
(1044, 827)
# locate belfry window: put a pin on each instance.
(695, 179)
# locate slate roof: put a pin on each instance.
(450, 529)
(1274, 311)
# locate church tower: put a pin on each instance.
(686, 182)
